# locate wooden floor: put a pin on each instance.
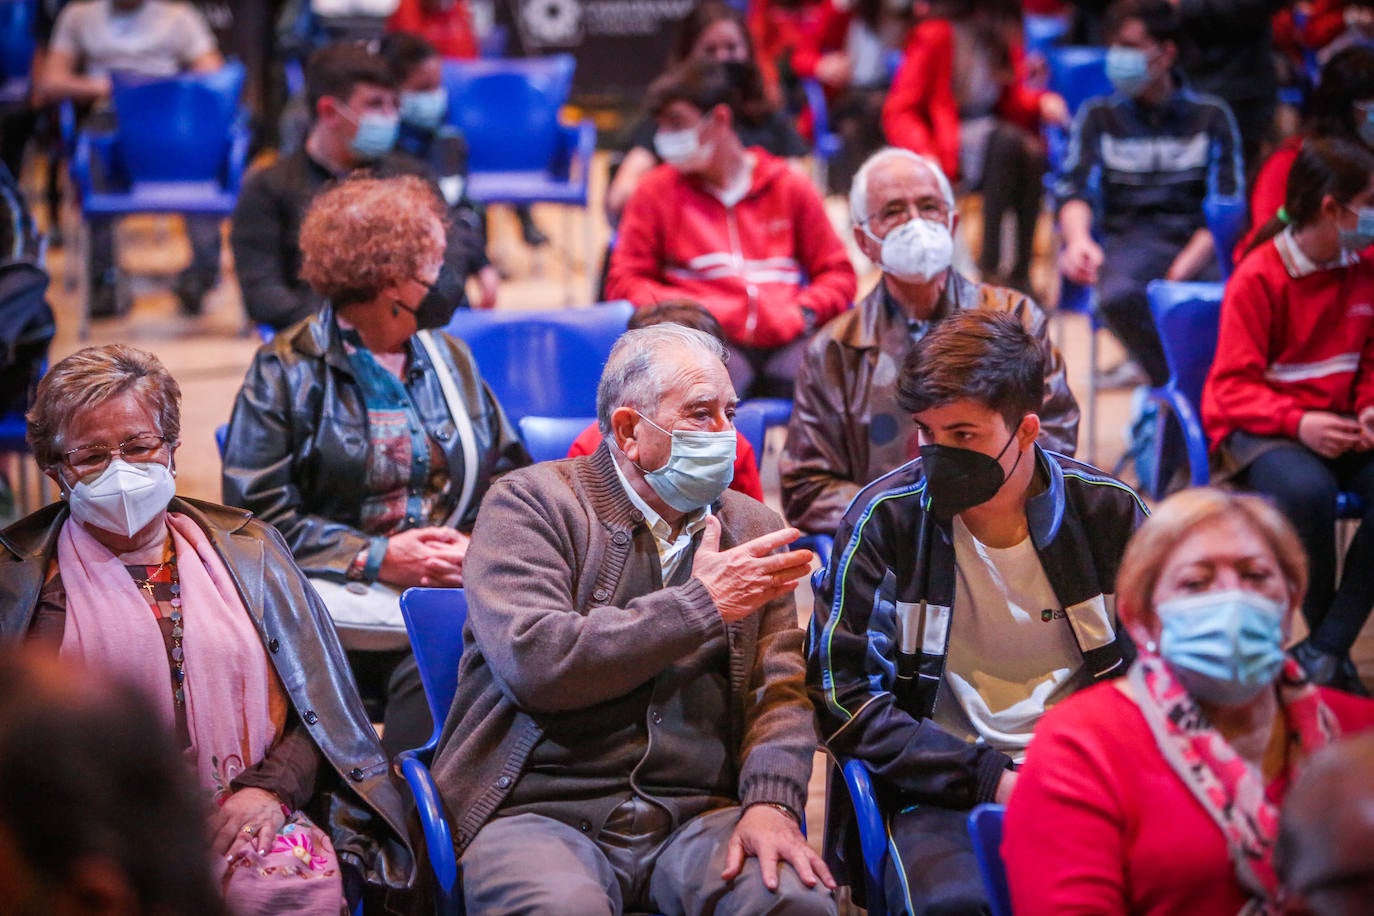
(209, 354)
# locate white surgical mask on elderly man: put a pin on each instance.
(124, 498)
(917, 251)
(700, 466)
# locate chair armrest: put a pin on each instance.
(239, 137)
(1199, 468)
(438, 840)
(868, 818)
(572, 157)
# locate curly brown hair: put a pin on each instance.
(365, 234)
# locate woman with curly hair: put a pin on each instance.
(367, 440)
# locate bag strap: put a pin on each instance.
(467, 436)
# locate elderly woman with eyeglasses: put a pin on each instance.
(203, 608)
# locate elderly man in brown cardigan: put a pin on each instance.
(631, 726)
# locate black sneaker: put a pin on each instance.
(529, 231)
(1327, 669)
(190, 289)
(104, 298)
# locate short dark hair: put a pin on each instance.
(980, 355)
(336, 70)
(678, 311)
(703, 84)
(1347, 78)
(1158, 16)
(403, 52)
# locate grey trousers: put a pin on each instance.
(528, 863)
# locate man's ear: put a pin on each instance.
(1168, 51)
(1027, 432)
(624, 421)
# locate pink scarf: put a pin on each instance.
(228, 679)
(1230, 790)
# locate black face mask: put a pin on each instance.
(961, 478)
(439, 304)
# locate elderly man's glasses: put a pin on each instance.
(92, 459)
(898, 212)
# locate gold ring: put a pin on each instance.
(249, 829)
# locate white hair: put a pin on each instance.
(858, 190)
(634, 375)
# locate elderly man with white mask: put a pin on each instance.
(846, 429)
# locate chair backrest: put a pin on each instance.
(1187, 316)
(508, 108)
(1226, 217)
(751, 423)
(16, 38)
(434, 619)
(985, 829)
(1078, 73)
(549, 438)
(543, 363)
(177, 129)
(221, 437)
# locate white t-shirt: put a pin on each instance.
(157, 39)
(1012, 654)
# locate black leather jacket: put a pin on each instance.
(297, 449)
(356, 800)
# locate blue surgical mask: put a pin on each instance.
(424, 109)
(700, 466)
(1128, 69)
(1362, 236)
(376, 134)
(1226, 647)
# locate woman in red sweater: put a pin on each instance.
(1289, 403)
(1342, 106)
(1158, 793)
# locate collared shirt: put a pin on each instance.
(1299, 265)
(671, 550)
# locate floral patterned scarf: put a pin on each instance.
(1230, 790)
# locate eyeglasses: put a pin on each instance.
(92, 459)
(899, 211)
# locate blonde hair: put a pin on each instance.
(365, 234)
(1176, 517)
(87, 379)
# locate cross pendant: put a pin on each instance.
(147, 586)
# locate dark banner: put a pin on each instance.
(620, 45)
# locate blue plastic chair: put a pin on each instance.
(868, 821)
(221, 437)
(1226, 218)
(827, 143)
(518, 151)
(1188, 317)
(1078, 73)
(549, 438)
(985, 829)
(16, 49)
(179, 146)
(1043, 32)
(543, 363)
(434, 619)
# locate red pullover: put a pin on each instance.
(1293, 339)
(754, 265)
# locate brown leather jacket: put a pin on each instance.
(847, 430)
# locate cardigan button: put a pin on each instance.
(273, 645)
(310, 717)
(356, 773)
(503, 782)
(602, 594)
(636, 515)
(620, 539)
(585, 826)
